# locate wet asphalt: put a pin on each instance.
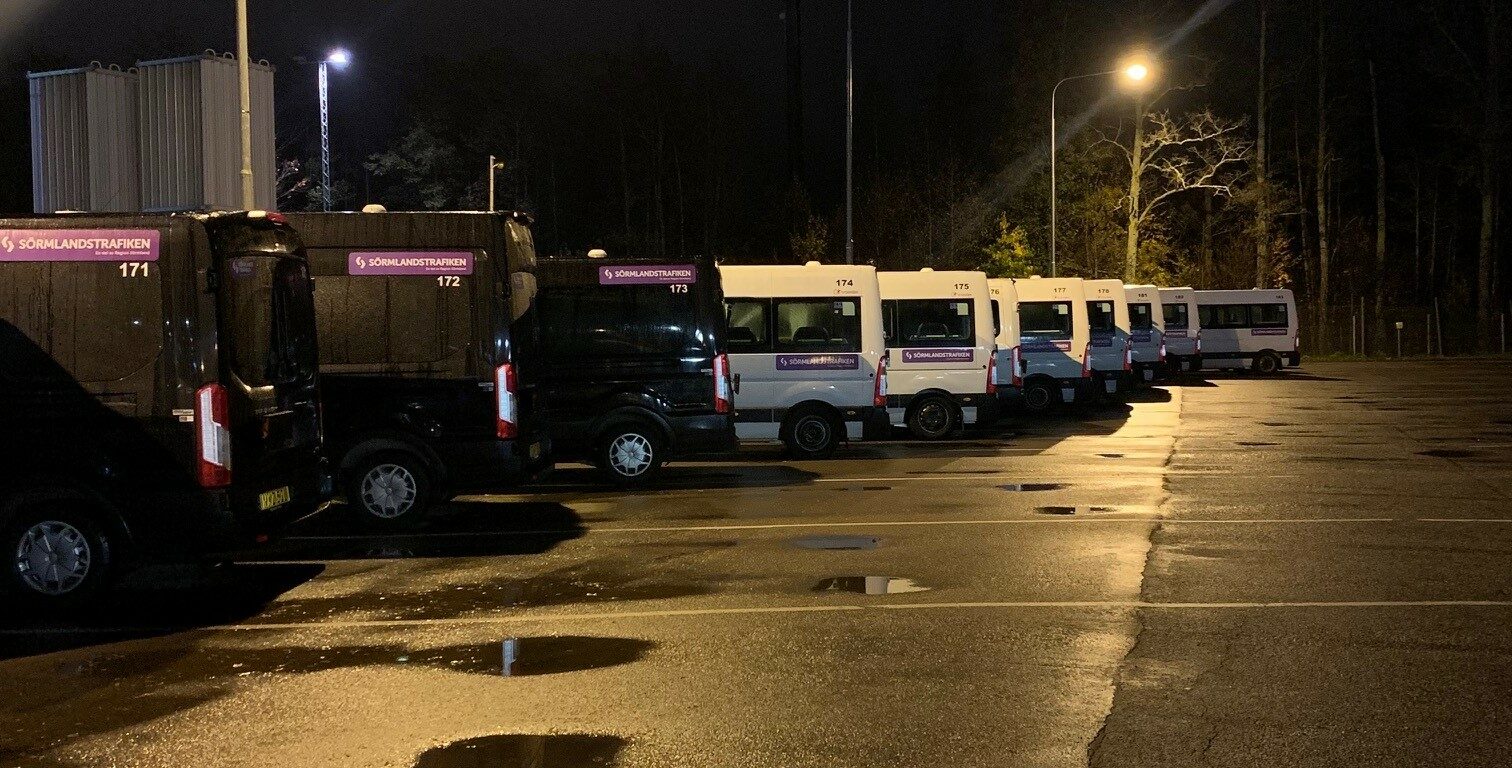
(1313, 570)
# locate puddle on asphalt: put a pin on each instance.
(1252, 444)
(1031, 487)
(839, 542)
(1277, 424)
(1082, 509)
(953, 472)
(1111, 455)
(520, 751)
(870, 585)
(868, 488)
(1448, 453)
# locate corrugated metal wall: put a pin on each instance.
(191, 134)
(84, 140)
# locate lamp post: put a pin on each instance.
(1133, 73)
(338, 58)
(494, 166)
(244, 94)
(850, 119)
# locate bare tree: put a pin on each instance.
(1262, 174)
(1172, 155)
(1380, 211)
(1322, 160)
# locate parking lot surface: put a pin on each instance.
(1311, 570)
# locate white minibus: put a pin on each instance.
(1146, 331)
(1005, 320)
(940, 344)
(1255, 329)
(1108, 313)
(1054, 341)
(1183, 335)
(806, 347)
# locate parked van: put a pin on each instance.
(158, 392)
(1146, 331)
(425, 331)
(1182, 333)
(941, 343)
(1255, 329)
(1112, 349)
(1005, 320)
(806, 345)
(634, 366)
(1055, 341)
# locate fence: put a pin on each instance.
(1448, 329)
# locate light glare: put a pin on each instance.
(339, 57)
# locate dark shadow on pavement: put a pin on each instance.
(734, 471)
(462, 528)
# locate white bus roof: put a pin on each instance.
(811, 279)
(1251, 294)
(929, 284)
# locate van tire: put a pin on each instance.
(390, 489)
(631, 453)
(811, 433)
(1267, 364)
(933, 417)
(57, 554)
(1040, 396)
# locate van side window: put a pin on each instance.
(418, 318)
(1139, 317)
(1045, 319)
(617, 321)
(98, 325)
(817, 325)
(1100, 316)
(931, 323)
(1222, 316)
(1268, 315)
(747, 325)
(997, 319)
(1176, 315)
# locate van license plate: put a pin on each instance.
(535, 451)
(274, 498)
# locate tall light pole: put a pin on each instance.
(494, 166)
(244, 85)
(339, 58)
(1133, 73)
(850, 119)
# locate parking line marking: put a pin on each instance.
(773, 610)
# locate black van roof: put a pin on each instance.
(402, 229)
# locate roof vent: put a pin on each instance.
(811, 264)
(374, 208)
(598, 253)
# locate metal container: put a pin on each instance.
(190, 120)
(84, 140)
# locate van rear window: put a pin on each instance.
(1140, 318)
(270, 319)
(618, 321)
(99, 321)
(1100, 316)
(1176, 316)
(930, 322)
(1047, 319)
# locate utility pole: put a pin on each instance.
(244, 82)
(850, 119)
(325, 140)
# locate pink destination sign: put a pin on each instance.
(79, 244)
(410, 263)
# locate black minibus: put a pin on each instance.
(426, 334)
(158, 392)
(634, 370)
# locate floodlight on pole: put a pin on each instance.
(338, 58)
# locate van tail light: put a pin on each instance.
(723, 396)
(506, 386)
(879, 386)
(1087, 362)
(1017, 360)
(1128, 354)
(1297, 341)
(992, 373)
(1162, 357)
(212, 426)
(1199, 341)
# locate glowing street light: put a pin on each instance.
(338, 58)
(1135, 74)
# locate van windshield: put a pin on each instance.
(270, 319)
(1140, 318)
(1047, 319)
(1176, 316)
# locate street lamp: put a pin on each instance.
(1135, 73)
(339, 59)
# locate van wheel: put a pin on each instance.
(1039, 396)
(390, 489)
(1267, 364)
(933, 417)
(56, 554)
(811, 434)
(632, 454)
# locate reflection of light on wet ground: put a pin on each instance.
(506, 751)
(870, 585)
